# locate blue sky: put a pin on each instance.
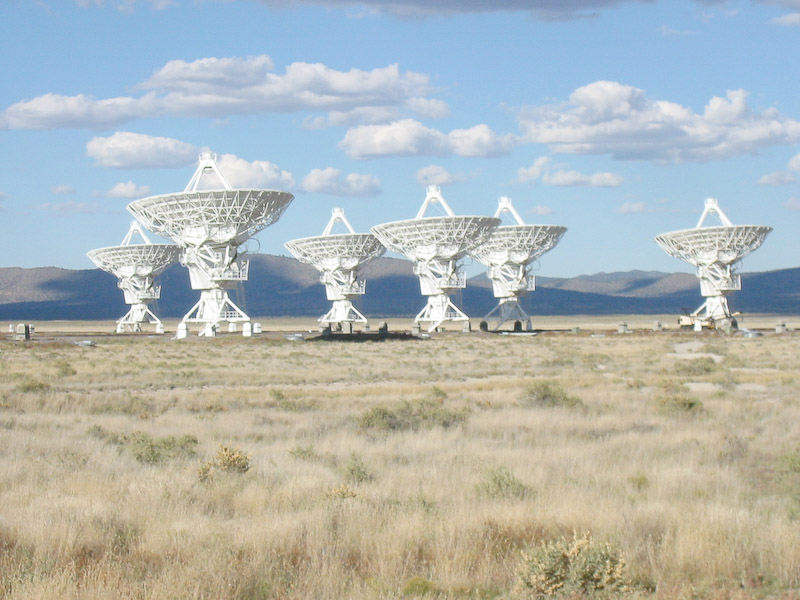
(613, 118)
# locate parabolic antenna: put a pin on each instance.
(210, 224)
(714, 251)
(508, 253)
(338, 257)
(136, 266)
(436, 244)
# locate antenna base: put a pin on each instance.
(440, 308)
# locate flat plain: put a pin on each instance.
(459, 466)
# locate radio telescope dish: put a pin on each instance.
(338, 257)
(508, 252)
(436, 245)
(714, 251)
(210, 224)
(136, 266)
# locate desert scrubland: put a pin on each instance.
(643, 465)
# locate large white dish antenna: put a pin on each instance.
(136, 266)
(436, 244)
(714, 251)
(508, 252)
(338, 257)
(210, 224)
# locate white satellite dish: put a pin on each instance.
(436, 245)
(714, 251)
(136, 266)
(338, 257)
(508, 253)
(210, 224)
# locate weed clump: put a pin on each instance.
(696, 367)
(679, 404)
(228, 460)
(501, 483)
(549, 394)
(566, 568)
(356, 471)
(149, 450)
(413, 415)
(419, 586)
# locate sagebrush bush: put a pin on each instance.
(414, 415)
(679, 403)
(566, 568)
(501, 483)
(356, 471)
(548, 393)
(229, 460)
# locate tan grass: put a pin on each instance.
(699, 502)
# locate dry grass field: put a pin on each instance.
(644, 465)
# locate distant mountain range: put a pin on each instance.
(281, 286)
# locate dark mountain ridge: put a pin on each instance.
(282, 286)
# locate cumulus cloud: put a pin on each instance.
(541, 210)
(408, 137)
(547, 10)
(257, 174)
(330, 181)
(777, 178)
(793, 203)
(128, 190)
(219, 87)
(631, 208)
(607, 117)
(437, 175)
(127, 150)
(550, 174)
(794, 163)
(62, 189)
(788, 20)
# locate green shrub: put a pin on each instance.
(356, 471)
(679, 404)
(413, 415)
(304, 453)
(228, 460)
(566, 568)
(501, 483)
(152, 451)
(548, 393)
(419, 586)
(696, 366)
(33, 386)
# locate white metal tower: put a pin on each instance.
(136, 266)
(508, 253)
(714, 251)
(210, 223)
(436, 245)
(338, 257)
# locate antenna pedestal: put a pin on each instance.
(138, 314)
(437, 280)
(509, 309)
(341, 287)
(213, 308)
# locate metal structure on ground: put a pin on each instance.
(436, 245)
(210, 223)
(508, 253)
(136, 266)
(713, 251)
(338, 257)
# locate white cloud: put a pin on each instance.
(667, 31)
(128, 6)
(794, 163)
(793, 203)
(607, 117)
(631, 208)
(409, 137)
(535, 171)
(126, 150)
(437, 175)
(218, 87)
(128, 190)
(330, 181)
(777, 178)
(548, 10)
(62, 189)
(541, 210)
(256, 174)
(574, 178)
(543, 168)
(431, 108)
(357, 116)
(788, 20)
